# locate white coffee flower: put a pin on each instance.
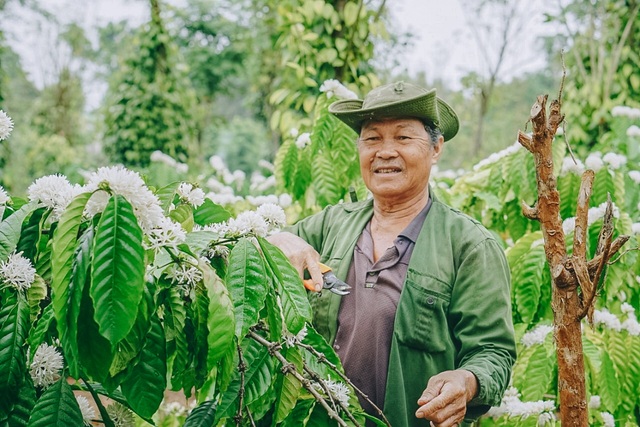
(167, 233)
(293, 132)
(624, 111)
(6, 125)
(594, 161)
(615, 161)
(184, 274)
(568, 225)
(128, 184)
(120, 415)
(217, 164)
(635, 176)
(291, 340)
(55, 192)
(536, 336)
(334, 87)
(273, 215)
(190, 194)
(608, 419)
(609, 320)
(545, 418)
(18, 272)
(627, 308)
(339, 391)
(635, 228)
(262, 200)
(495, 157)
(249, 222)
(594, 402)
(285, 200)
(4, 196)
(571, 166)
(87, 411)
(303, 140)
(46, 366)
(633, 130)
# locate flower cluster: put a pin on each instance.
(267, 219)
(536, 336)
(334, 87)
(607, 419)
(290, 340)
(4, 196)
(339, 391)
(569, 165)
(120, 415)
(190, 194)
(594, 214)
(167, 233)
(624, 111)
(46, 366)
(160, 157)
(611, 321)
(303, 140)
(55, 192)
(6, 125)
(596, 161)
(185, 275)
(512, 406)
(87, 411)
(119, 180)
(495, 157)
(633, 130)
(17, 271)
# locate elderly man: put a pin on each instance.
(426, 331)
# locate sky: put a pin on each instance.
(442, 42)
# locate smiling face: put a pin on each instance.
(396, 156)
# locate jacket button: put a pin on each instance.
(431, 300)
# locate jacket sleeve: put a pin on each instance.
(312, 229)
(482, 323)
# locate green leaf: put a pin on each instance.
(295, 306)
(30, 235)
(350, 11)
(538, 375)
(166, 195)
(80, 267)
(317, 341)
(203, 415)
(42, 325)
(14, 324)
(527, 280)
(608, 386)
(10, 230)
(63, 247)
(144, 387)
(56, 407)
(210, 213)
(257, 379)
(23, 406)
(95, 364)
(35, 294)
(300, 414)
(183, 215)
(246, 283)
(288, 386)
(325, 181)
(117, 269)
(220, 321)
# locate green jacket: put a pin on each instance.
(454, 310)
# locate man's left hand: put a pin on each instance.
(444, 401)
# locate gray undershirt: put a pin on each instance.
(367, 314)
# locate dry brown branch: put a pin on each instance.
(525, 141)
(530, 212)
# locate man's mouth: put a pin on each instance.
(387, 170)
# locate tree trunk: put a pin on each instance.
(574, 279)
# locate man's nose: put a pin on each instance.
(387, 149)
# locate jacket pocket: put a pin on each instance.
(421, 318)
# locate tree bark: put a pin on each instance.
(575, 280)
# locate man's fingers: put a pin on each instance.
(432, 390)
(314, 271)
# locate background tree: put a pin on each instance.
(149, 100)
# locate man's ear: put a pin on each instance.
(437, 149)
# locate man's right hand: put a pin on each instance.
(301, 255)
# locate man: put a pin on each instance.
(426, 331)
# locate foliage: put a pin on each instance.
(603, 61)
(320, 168)
(173, 291)
(149, 101)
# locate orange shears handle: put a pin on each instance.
(308, 283)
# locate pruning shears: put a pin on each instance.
(329, 281)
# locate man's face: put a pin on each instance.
(396, 156)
